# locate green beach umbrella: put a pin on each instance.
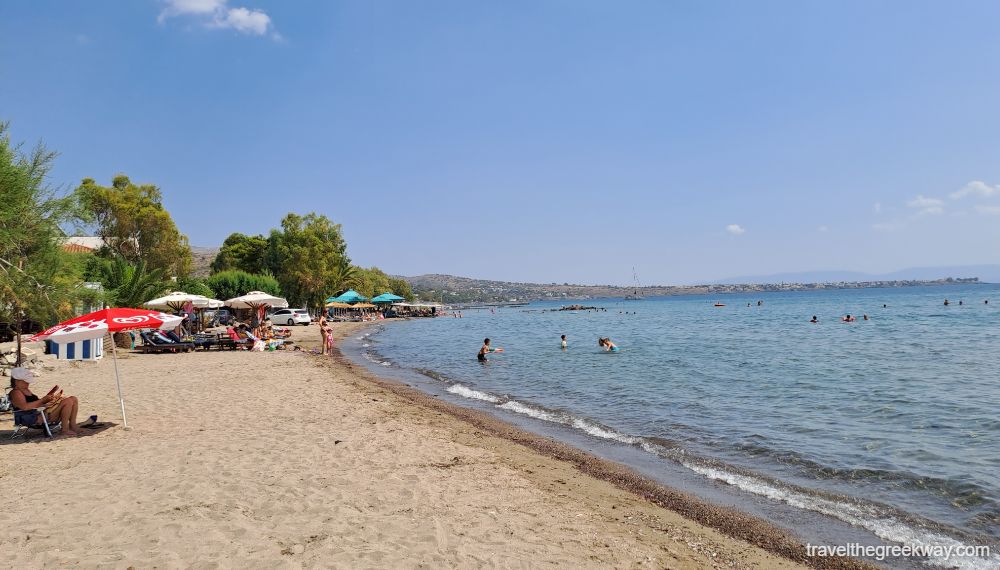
(349, 296)
(387, 298)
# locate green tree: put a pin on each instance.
(131, 284)
(401, 287)
(344, 277)
(134, 224)
(243, 252)
(195, 286)
(37, 280)
(371, 281)
(229, 284)
(309, 255)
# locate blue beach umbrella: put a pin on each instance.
(387, 298)
(349, 296)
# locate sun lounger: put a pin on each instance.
(155, 343)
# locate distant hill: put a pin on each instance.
(452, 289)
(985, 273)
(203, 257)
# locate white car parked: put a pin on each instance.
(291, 317)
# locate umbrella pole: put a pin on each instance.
(114, 353)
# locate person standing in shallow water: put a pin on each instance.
(486, 349)
(323, 333)
(562, 342)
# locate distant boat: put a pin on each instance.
(635, 296)
(719, 305)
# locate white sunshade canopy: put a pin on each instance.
(254, 299)
(178, 299)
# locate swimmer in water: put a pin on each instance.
(848, 319)
(562, 342)
(814, 320)
(865, 317)
(486, 349)
(607, 344)
(946, 303)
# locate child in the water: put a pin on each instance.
(562, 342)
(486, 349)
(607, 344)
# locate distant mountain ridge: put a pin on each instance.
(987, 273)
(453, 289)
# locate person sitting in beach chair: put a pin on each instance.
(30, 411)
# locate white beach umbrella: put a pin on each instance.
(255, 299)
(176, 301)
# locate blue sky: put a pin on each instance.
(536, 140)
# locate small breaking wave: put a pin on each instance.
(465, 392)
(879, 520)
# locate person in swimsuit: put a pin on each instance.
(607, 344)
(57, 407)
(562, 342)
(486, 349)
(323, 333)
(814, 320)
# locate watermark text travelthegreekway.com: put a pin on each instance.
(883, 551)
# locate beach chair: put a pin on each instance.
(153, 343)
(25, 421)
(206, 341)
(224, 342)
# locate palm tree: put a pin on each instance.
(131, 285)
(345, 276)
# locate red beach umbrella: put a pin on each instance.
(106, 322)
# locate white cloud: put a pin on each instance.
(926, 206)
(735, 229)
(190, 7)
(244, 20)
(922, 202)
(976, 188)
(218, 14)
(989, 210)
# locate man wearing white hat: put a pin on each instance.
(57, 407)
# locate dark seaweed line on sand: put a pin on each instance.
(731, 522)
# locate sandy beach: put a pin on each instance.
(289, 460)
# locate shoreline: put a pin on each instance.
(287, 459)
(730, 522)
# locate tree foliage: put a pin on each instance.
(130, 284)
(234, 283)
(401, 287)
(373, 281)
(243, 252)
(195, 286)
(37, 280)
(311, 255)
(134, 224)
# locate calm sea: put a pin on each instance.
(891, 425)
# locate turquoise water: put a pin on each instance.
(890, 424)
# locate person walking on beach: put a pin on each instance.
(562, 343)
(486, 349)
(323, 333)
